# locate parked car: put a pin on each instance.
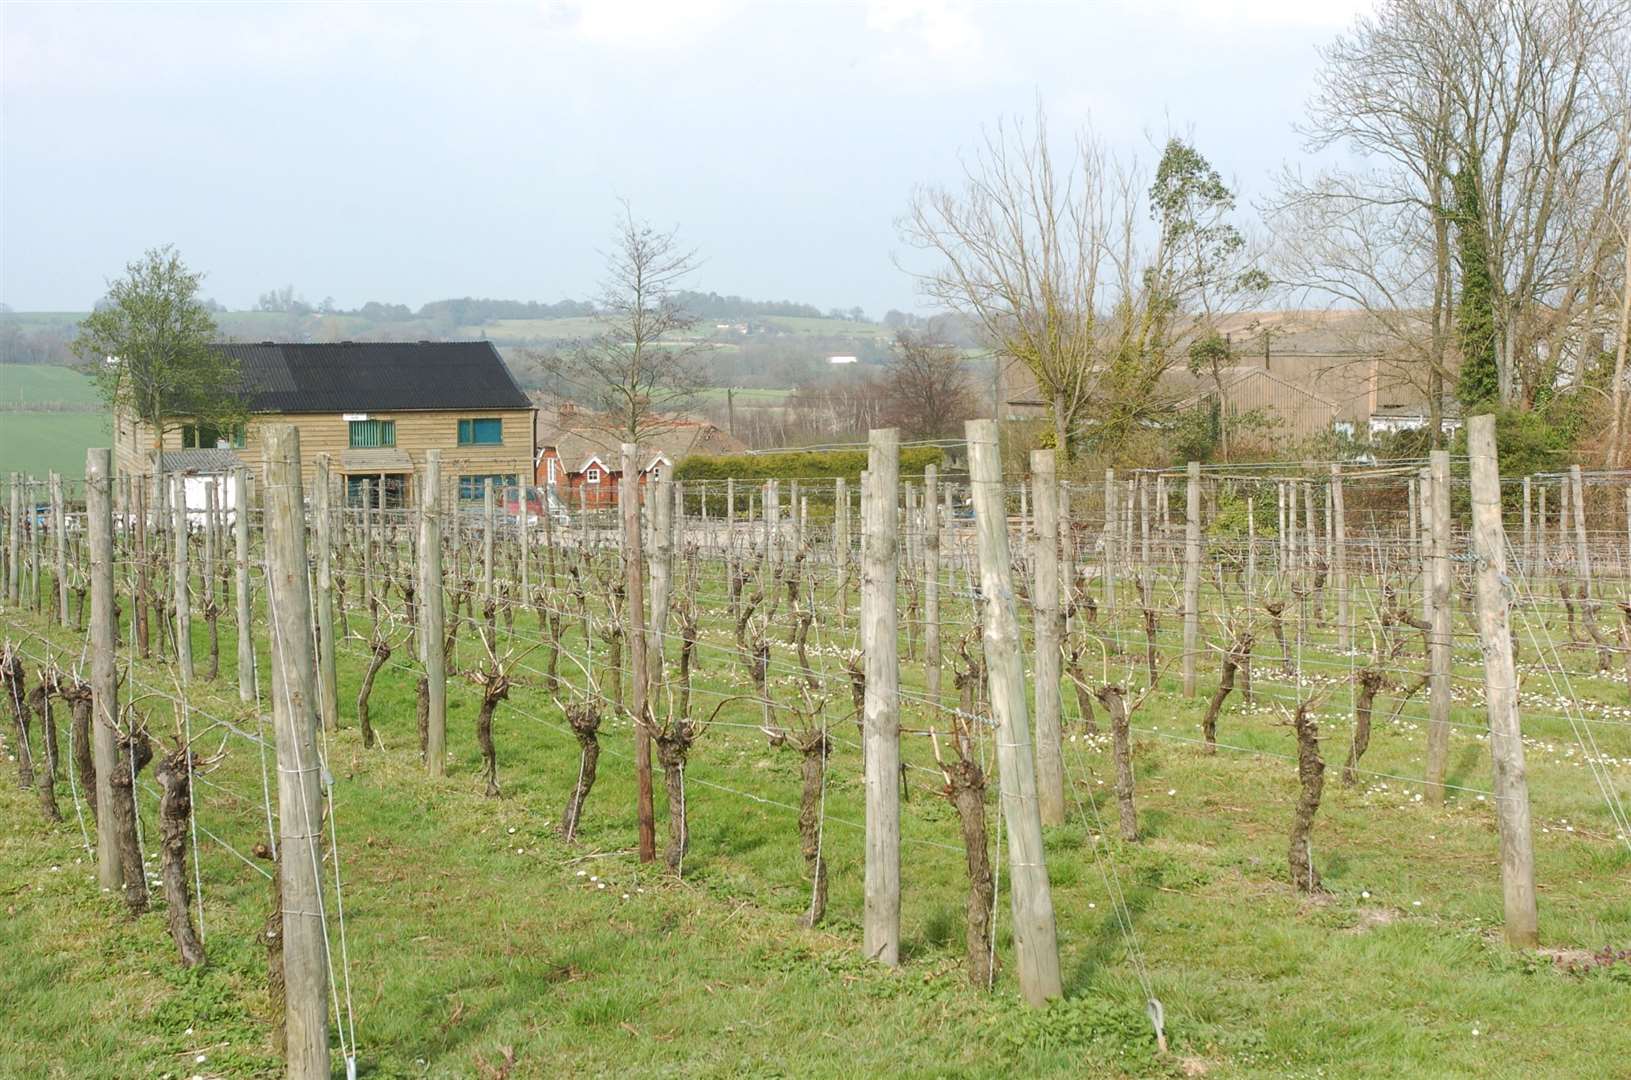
(537, 499)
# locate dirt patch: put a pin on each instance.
(1372, 917)
(1192, 1066)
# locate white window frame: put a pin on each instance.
(591, 475)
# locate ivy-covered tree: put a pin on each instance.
(149, 340)
(1479, 383)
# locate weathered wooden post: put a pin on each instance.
(1067, 549)
(59, 552)
(522, 512)
(184, 616)
(1582, 553)
(104, 669)
(1527, 562)
(1501, 688)
(1035, 936)
(240, 538)
(635, 636)
(1439, 653)
(433, 624)
(662, 576)
(1339, 559)
(1192, 576)
(328, 695)
(1050, 760)
(931, 584)
(841, 542)
(32, 500)
(300, 790)
(15, 543)
(1541, 557)
(1110, 531)
(881, 708)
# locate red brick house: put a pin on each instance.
(581, 457)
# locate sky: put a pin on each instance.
(411, 152)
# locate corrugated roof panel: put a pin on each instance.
(375, 376)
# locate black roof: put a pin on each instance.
(375, 376)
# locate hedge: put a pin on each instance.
(817, 466)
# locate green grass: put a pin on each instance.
(473, 929)
(745, 396)
(41, 384)
(37, 442)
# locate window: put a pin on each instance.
(372, 434)
(470, 487)
(591, 475)
(487, 432)
(208, 436)
(387, 492)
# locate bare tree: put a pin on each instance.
(927, 389)
(640, 371)
(1050, 260)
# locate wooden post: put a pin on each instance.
(1285, 532)
(1540, 520)
(662, 576)
(1192, 576)
(841, 542)
(522, 512)
(1035, 936)
(32, 500)
(433, 625)
(1438, 680)
(489, 525)
(1582, 556)
(328, 694)
(1067, 548)
(881, 708)
(104, 668)
(59, 553)
(1148, 591)
(635, 637)
(300, 793)
(1527, 562)
(1050, 760)
(1110, 531)
(240, 538)
(1339, 559)
(15, 543)
(1501, 688)
(184, 616)
(931, 584)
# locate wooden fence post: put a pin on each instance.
(240, 538)
(433, 624)
(1501, 688)
(1527, 561)
(1192, 575)
(104, 668)
(300, 794)
(59, 552)
(635, 636)
(881, 729)
(1438, 681)
(1582, 551)
(14, 544)
(1035, 935)
(184, 615)
(662, 577)
(328, 694)
(1110, 531)
(931, 584)
(1339, 559)
(841, 542)
(1050, 759)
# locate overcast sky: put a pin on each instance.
(408, 152)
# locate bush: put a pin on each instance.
(822, 465)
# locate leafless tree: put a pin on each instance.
(641, 371)
(926, 387)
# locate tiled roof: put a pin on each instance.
(375, 376)
(209, 460)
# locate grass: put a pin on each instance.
(476, 933)
(23, 385)
(37, 442)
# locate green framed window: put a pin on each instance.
(470, 487)
(208, 437)
(372, 434)
(487, 431)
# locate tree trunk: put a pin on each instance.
(1311, 779)
(175, 807)
(12, 676)
(1226, 684)
(1115, 703)
(135, 751)
(672, 748)
(381, 652)
(1368, 681)
(484, 734)
(79, 702)
(966, 790)
(585, 721)
(39, 700)
(813, 768)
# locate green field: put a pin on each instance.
(41, 384)
(476, 935)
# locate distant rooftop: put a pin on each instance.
(375, 376)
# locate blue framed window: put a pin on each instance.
(372, 434)
(470, 487)
(481, 432)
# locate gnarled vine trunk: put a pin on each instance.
(173, 773)
(585, 721)
(1114, 700)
